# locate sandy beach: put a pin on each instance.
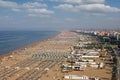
(22, 58)
(42, 60)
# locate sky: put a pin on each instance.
(59, 14)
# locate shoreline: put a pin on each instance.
(30, 48)
(26, 46)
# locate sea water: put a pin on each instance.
(12, 40)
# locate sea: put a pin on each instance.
(12, 40)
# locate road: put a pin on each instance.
(118, 68)
(118, 64)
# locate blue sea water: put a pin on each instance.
(11, 40)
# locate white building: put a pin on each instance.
(76, 77)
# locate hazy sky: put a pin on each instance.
(59, 14)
